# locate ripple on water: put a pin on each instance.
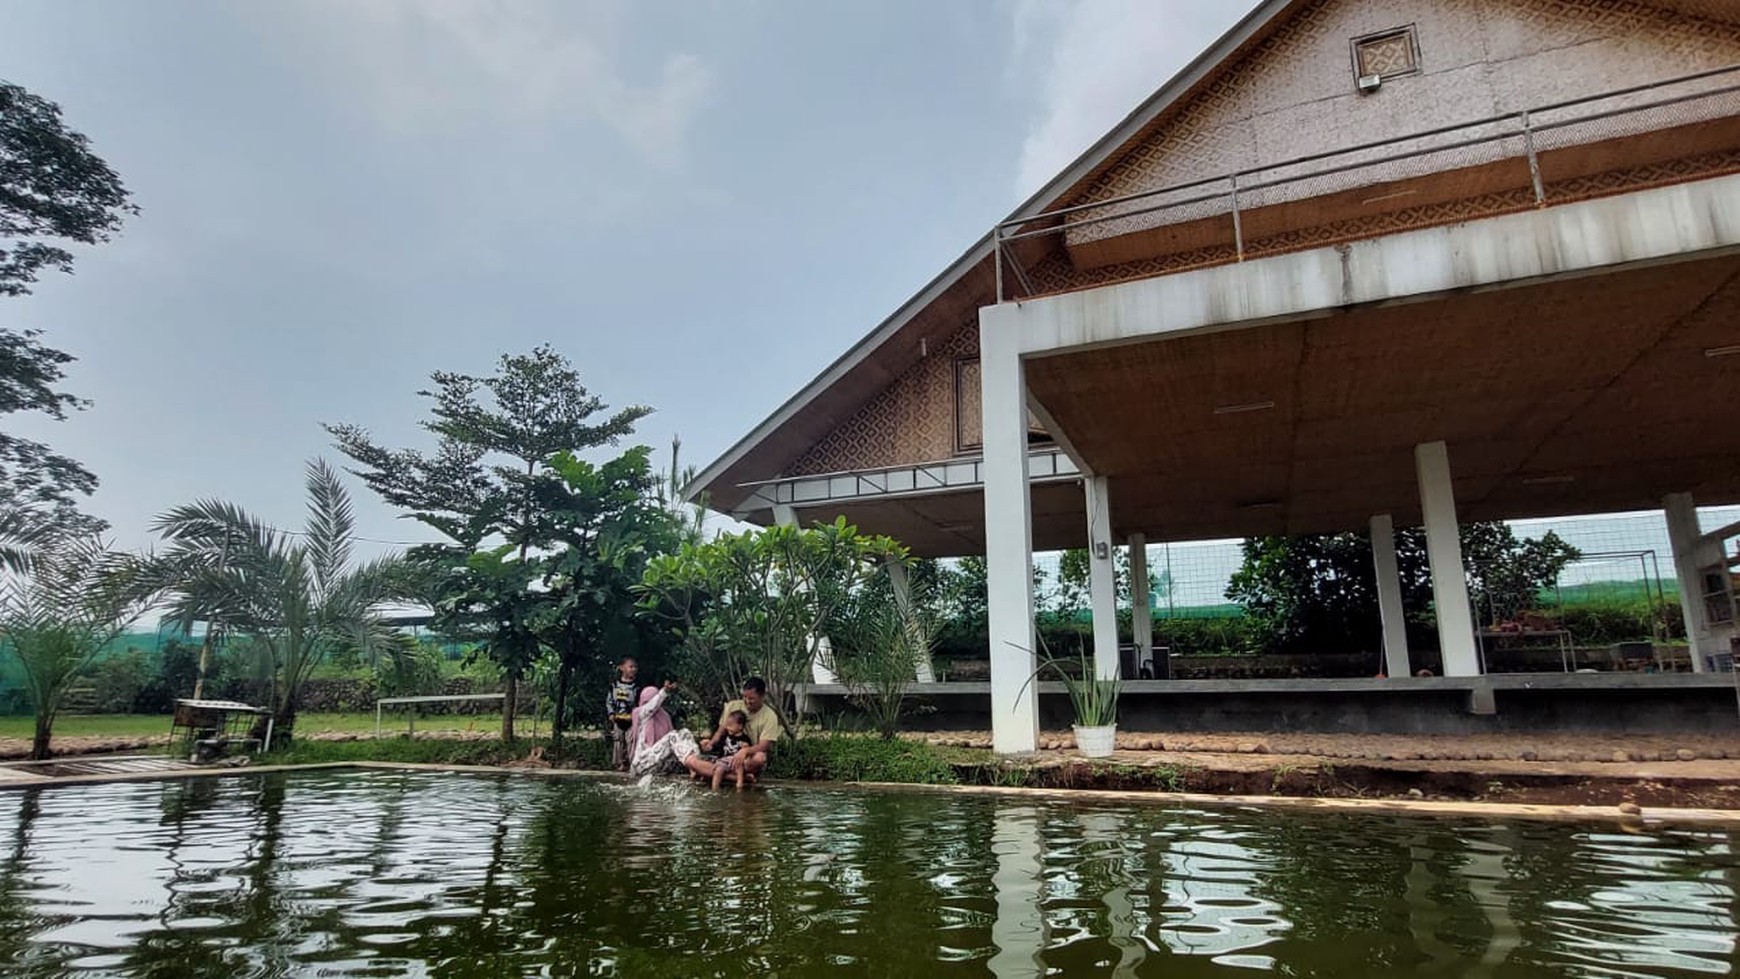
(388, 874)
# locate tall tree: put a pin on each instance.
(485, 483)
(607, 524)
(296, 597)
(1319, 591)
(690, 517)
(54, 192)
(58, 613)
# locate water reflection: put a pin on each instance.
(409, 874)
(1018, 932)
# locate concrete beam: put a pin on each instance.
(1639, 228)
(1389, 591)
(1008, 539)
(1102, 578)
(1444, 553)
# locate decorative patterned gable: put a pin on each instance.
(1295, 92)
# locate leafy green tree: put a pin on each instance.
(1074, 582)
(56, 615)
(296, 597)
(1319, 591)
(762, 602)
(486, 484)
(54, 193)
(607, 523)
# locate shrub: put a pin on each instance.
(118, 682)
(858, 758)
(1597, 623)
(1208, 637)
(177, 671)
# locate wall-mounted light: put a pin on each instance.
(1241, 409)
(1102, 550)
(1729, 351)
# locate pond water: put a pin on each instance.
(385, 874)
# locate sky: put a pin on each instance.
(701, 203)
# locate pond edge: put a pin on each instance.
(1647, 818)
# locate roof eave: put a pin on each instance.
(1047, 195)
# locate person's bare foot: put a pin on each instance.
(718, 778)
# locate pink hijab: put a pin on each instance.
(656, 726)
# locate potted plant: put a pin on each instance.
(1095, 702)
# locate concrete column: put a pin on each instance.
(1008, 537)
(1141, 608)
(1389, 592)
(1102, 578)
(1683, 536)
(784, 515)
(1444, 554)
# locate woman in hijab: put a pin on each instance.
(656, 744)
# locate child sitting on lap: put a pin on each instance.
(732, 742)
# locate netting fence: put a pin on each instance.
(1625, 557)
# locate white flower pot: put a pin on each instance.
(1096, 742)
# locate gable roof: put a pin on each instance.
(875, 360)
(772, 445)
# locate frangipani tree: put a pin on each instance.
(57, 612)
(762, 602)
(296, 596)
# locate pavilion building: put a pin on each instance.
(1363, 264)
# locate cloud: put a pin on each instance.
(444, 65)
(1095, 61)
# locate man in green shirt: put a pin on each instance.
(763, 729)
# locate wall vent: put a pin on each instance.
(1377, 58)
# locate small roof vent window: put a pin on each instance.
(1377, 58)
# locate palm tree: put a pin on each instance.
(296, 596)
(690, 518)
(58, 610)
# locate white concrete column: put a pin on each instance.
(1683, 536)
(1444, 554)
(784, 515)
(899, 583)
(1008, 535)
(1102, 578)
(1141, 608)
(1389, 592)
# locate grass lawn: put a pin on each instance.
(145, 725)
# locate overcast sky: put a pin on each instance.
(701, 203)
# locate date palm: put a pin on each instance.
(59, 610)
(297, 597)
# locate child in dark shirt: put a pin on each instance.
(619, 711)
(731, 742)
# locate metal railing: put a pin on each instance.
(1044, 465)
(1235, 195)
